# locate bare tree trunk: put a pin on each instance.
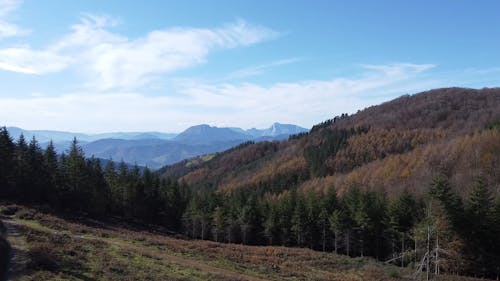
(402, 249)
(347, 242)
(335, 241)
(428, 253)
(393, 254)
(416, 256)
(436, 265)
(362, 246)
(324, 237)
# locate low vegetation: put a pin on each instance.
(74, 249)
(4, 252)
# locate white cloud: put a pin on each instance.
(307, 102)
(260, 69)
(113, 61)
(8, 29)
(245, 105)
(28, 61)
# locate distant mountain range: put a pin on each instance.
(61, 136)
(155, 149)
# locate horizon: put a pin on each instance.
(99, 67)
(162, 132)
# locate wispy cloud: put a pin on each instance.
(260, 69)
(111, 60)
(28, 61)
(7, 28)
(245, 104)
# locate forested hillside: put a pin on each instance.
(406, 141)
(366, 184)
(414, 183)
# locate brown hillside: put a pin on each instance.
(456, 109)
(394, 146)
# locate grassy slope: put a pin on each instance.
(4, 252)
(64, 250)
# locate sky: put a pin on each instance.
(99, 66)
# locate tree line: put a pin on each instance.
(436, 233)
(72, 182)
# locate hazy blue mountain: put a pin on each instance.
(154, 149)
(44, 136)
(205, 134)
(134, 135)
(276, 129)
(153, 153)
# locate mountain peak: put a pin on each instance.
(204, 134)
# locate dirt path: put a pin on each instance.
(19, 258)
(22, 260)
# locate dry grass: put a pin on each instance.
(63, 250)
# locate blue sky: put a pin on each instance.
(96, 66)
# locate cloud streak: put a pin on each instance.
(8, 29)
(245, 105)
(260, 69)
(114, 61)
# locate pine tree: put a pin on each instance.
(219, 222)
(351, 202)
(75, 170)
(335, 221)
(249, 219)
(441, 190)
(272, 223)
(98, 189)
(286, 214)
(115, 195)
(403, 214)
(7, 164)
(313, 223)
(481, 204)
(52, 168)
(299, 220)
(483, 239)
(323, 222)
(37, 175)
(22, 169)
(375, 206)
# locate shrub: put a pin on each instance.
(2, 228)
(26, 214)
(9, 210)
(43, 256)
(4, 257)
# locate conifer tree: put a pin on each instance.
(219, 222)
(299, 220)
(272, 223)
(37, 177)
(335, 221)
(22, 168)
(52, 167)
(7, 163)
(482, 237)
